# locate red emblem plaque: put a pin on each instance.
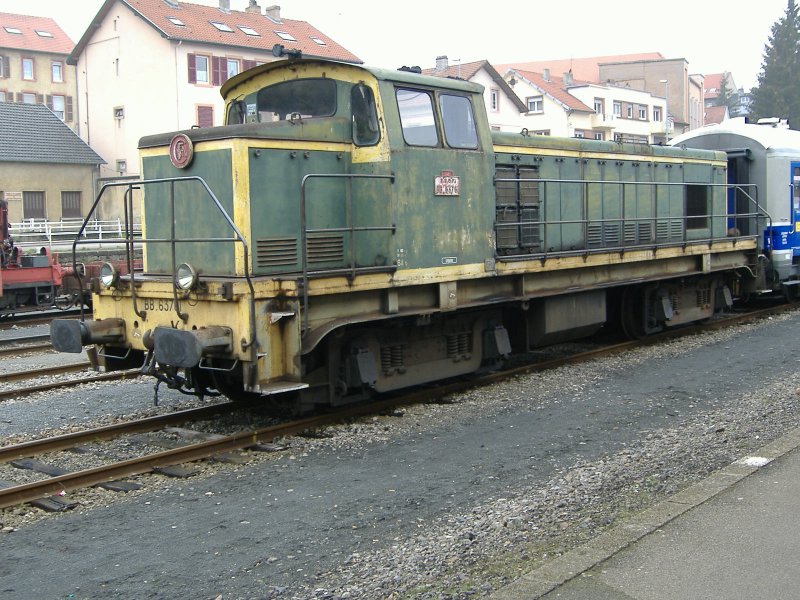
(181, 151)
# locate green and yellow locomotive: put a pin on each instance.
(353, 230)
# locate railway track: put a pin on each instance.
(218, 444)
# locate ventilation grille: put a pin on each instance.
(276, 252)
(669, 231)
(325, 248)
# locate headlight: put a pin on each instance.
(109, 276)
(185, 277)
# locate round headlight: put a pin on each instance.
(109, 276)
(185, 277)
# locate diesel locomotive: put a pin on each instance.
(354, 230)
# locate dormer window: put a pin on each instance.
(176, 21)
(221, 26)
(286, 36)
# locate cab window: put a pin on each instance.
(299, 98)
(417, 117)
(459, 122)
(365, 116)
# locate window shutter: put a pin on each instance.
(49, 101)
(20, 97)
(219, 72)
(192, 68)
(205, 116)
(6, 67)
(39, 99)
(68, 109)
(248, 64)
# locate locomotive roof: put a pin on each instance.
(766, 136)
(379, 73)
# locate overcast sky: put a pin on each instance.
(713, 36)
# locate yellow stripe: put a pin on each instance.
(528, 150)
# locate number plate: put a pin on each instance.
(447, 184)
(158, 304)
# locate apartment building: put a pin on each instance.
(150, 66)
(562, 106)
(33, 65)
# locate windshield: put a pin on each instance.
(300, 98)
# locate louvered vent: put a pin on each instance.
(276, 252)
(326, 248)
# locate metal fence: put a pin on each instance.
(39, 232)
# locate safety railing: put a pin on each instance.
(131, 240)
(681, 230)
(37, 232)
(351, 229)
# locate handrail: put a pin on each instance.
(653, 217)
(351, 228)
(131, 241)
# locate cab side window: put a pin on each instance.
(365, 116)
(417, 117)
(459, 122)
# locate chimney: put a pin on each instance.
(273, 12)
(253, 7)
(568, 78)
(441, 63)
(546, 74)
(225, 5)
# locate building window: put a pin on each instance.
(629, 111)
(205, 116)
(221, 26)
(656, 113)
(176, 21)
(70, 205)
(33, 205)
(617, 109)
(536, 104)
(198, 68)
(233, 67)
(599, 106)
(58, 106)
(122, 166)
(249, 31)
(494, 100)
(28, 98)
(5, 67)
(286, 36)
(642, 112)
(2, 96)
(57, 71)
(599, 135)
(318, 41)
(27, 69)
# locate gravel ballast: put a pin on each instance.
(448, 500)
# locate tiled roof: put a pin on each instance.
(715, 114)
(712, 85)
(467, 71)
(586, 69)
(196, 27)
(464, 71)
(28, 39)
(556, 88)
(31, 133)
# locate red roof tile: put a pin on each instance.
(464, 71)
(715, 114)
(587, 69)
(197, 27)
(28, 39)
(556, 88)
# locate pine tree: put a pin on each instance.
(778, 90)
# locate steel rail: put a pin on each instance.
(112, 376)
(191, 452)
